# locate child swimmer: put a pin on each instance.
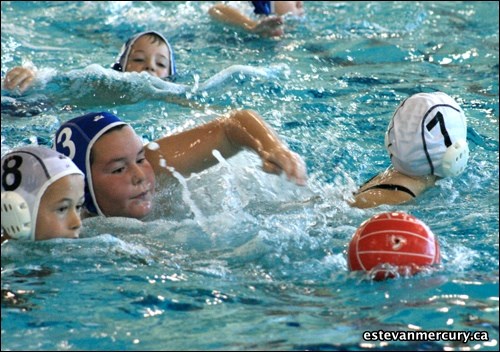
(42, 195)
(121, 172)
(426, 140)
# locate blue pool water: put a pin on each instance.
(238, 259)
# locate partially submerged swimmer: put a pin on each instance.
(120, 172)
(269, 24)
(144, 52)
(42, 195)
(148, 52)
(426, 141)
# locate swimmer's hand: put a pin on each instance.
(19, 78)
(269, 27)
(280, 160)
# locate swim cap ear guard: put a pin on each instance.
(455, 159)
(16, 217)
(27, 172)
(428, 136)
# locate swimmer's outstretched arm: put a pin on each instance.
(191, 151)
(269, 26)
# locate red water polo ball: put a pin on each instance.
(392, 242)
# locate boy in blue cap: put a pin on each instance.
(120, 172)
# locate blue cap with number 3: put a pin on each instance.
(27, 172)
(75, 139)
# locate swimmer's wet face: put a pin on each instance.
(149, 53)
(60, 207)
(123, 180)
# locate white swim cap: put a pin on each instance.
(27, 172)
(428, 136)
(122, 60)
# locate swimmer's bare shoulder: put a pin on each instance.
(391, 187)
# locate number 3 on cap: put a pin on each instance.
(65, 137)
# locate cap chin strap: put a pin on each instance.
(386, 140)
(454, 159)
(16, 217)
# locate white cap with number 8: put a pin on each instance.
(26, 174)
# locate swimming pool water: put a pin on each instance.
(242, 260)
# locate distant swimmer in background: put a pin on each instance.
(42, 195)
(426, 140)
(147, 58)
(268, 21)
(146, 51)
